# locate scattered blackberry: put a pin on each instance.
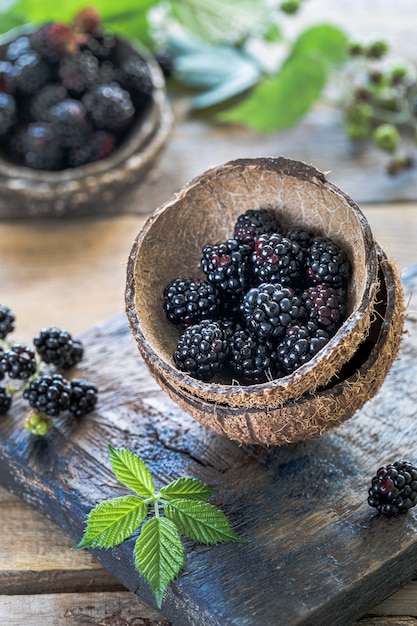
(70, 124)
(251, 357)
(202, 350)
(269, 308)
(109, 106)
(41, 147)
(253, 223)
(302, 236)
(46, 98)
(326, 306)
(393, 489)
(57, 347)
(30, 73)
(300, 344)
(277, 260)
(5, 400)
(8, 115)
(187, 301)
(6, 321)
(74, 357)
(49, 394)
(226, 266)
(79, 72)
(133, 75)
(83, 397)
(327, 263)
(18, 362)
(100, 146)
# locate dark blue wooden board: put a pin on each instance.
(317, 554)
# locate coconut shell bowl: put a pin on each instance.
(341, 376)
(89, 185)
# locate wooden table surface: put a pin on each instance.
(71, 273)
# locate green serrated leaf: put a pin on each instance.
(323, 40)
(159, 554)
(279, 103)
(187, 489)
(200, 521)
(113, 521)
(132, 472)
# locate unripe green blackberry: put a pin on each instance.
(49, 394)
(18, 362)
(386, 137)
(37, 423)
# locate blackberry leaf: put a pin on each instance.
(200, 521)
(159, 554)
(187, 489)
(132, 472)
(113, 521)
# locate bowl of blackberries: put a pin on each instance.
(261, 302)
(83, 117)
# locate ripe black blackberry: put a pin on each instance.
(101, 45)
(253, 223)
(134, 76)
(41, 147)
(326, 306)
(5, 400)
(393, 489)
(53, 40)
(46, 98)
(202, 350)
(6, 321)
(100, 146)
(302, 236)
(79, 72)
(187, 301)
(226, 266)
(8, 114)
(70, 124)
(269, 308)
(109, 107)
(83, 397)
(57, 347)
(278, 260)
(300, 344)
(18, 362)
(49, 394)
(251, 357)
(29, 73)
(327, 263)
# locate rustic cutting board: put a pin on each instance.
(317, 554)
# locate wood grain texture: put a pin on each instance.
(316, 553)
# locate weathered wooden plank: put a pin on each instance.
(87, 609)
(317, 554)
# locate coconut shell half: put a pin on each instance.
(204, 211)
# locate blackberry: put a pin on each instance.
(300, 344)
(49, 394)
(101, 45)
(326, 306)
(18, 362)
(53, 41)
(269, 308)
(57, 347)
(87, 20)
(302, 236)
(253, 223)
(44, 99)
(79, 72)
(6, 321)
(226, 266)
(393, 489)
(165, 59)
(17, 48)
(187, 301)
(69, 120)
(41, 147)
(8, 113)
(327, 263)
(100, 146)
(251, 357)
(202, 350)
(83, 397)
(74, 357)
(134, 76)
(277, 260)
(29, 73)
(37, 423)
(109, 106)
(5, 400)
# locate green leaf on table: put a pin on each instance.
(132, 472)
(200, 521)
(186, 488)
(113, 521)
(325, 41)
(159, 554)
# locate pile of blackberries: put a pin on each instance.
(37, 374)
